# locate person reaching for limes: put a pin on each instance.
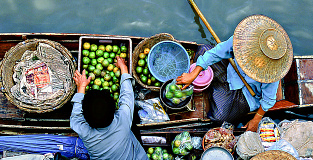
(106, 132)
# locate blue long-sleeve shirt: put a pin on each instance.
(265, 92)
(115, 141)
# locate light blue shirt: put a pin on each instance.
(117, 141)
(265, 92)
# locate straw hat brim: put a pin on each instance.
(262, 48)
(273, 154)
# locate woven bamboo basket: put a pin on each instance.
(6, 72)
(148, 43)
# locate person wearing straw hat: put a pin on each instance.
(263, 54)
(106, 132)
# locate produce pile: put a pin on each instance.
(181, 145)
(175, 94)
(157, 153)
(219, 137)
(98, 61)
(143, 72)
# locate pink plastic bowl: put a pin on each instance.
(203, 80)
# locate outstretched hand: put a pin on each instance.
(252, 125)
(185, 79)
(121, 63)
(81, 81)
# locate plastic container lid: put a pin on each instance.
(204, 78)
(216, 153)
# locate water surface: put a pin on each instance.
(149, 17)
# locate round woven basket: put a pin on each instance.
(7, 70)
(148, 43)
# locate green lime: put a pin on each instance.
(105, 84)
(176, 150)
(108, 48)
(112, 55)
(154, 156)
(138, 70)
(85, 53)
(92, 55)
(93, 62)
(91, 68)
(115, 48)
(97, 82)
(86, 60)
(85, 66)
(106, 54)
(150, 150)
(99, 53)
(92, 75)
(175, 100)
(169, 95)
(164, 151)
(110, 60)
(190, 92)
(103, 73)
(86, 72)
(144, 79)
(112, 74)
(149, 82)
(142, 55)
(177, 143)
(123, 49)
(105, 63)
(99, 66)
(115, 96)
(157, 84)
(93, 47)
(107, 77)
(114, 87)
(183, 152)
(123, 55)
(158, 150)
(110, 67)
(97, 72)
(91, 83)
(102, 80)
(87, 88)
(110, 83)
(100, 60)
(189, 146)
(165, 155)
(86, 45)
(145, 71)
(141, 62)
(178, 94)
(102, 47)
(172, 87)
(153, 79)
(114, 79)
(118, 73)
(95, 87)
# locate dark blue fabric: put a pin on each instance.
(225, 104)
(69, 147)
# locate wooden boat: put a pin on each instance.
(295, 91)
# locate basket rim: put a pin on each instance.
(34, 108)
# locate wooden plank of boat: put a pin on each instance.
(295, 90)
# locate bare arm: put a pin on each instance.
(188, 78)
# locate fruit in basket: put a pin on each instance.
(106, 54)
(176, 150)
(144, 79)
(112, 55)
(169, 95)
(99, 53)
(123, 49)
(145, 71)
(93, 62)
(93, 47)
(101, 47)
(95, 87)
(141, 62)
(115, 48)
(110, 60)
(177, 143)
(97, 72)
(85, 53)
(99, 66)
(142, 56)
(107, 77)
(157, 84)
(86, 60)
(138, 70)
(150, 150)
(91, 68)
(100, 60)
(97, 82)
(110, 67)
(92, 55)
(105, 63)
(86, 45)
(117, 73)
(108, 48)
(146, 51)
(123, 55)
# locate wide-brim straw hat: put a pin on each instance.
(262, 48)
(273, 154)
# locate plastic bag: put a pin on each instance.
(159, 153)
(285, 146)
(181, 145)
(269, 132)
(196, 142)
(175, 94)
(220, 137)
(153, 139)
(151, 111)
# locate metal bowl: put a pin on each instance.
(216, 153)
(167, 102)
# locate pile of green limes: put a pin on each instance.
(158, 153)
(98, 61)
(143, 72)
